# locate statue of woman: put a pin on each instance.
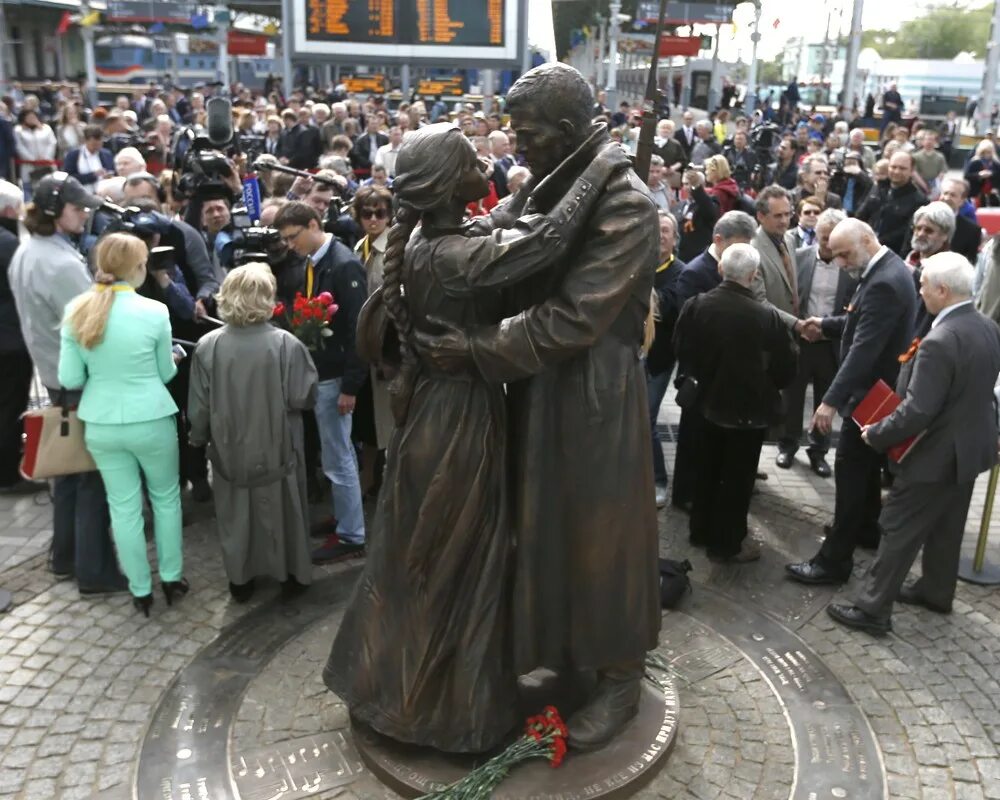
(423, 653)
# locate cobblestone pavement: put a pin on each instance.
(79, 679)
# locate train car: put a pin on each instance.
(130, 58)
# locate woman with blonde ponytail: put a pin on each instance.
(423, 653)
(115, 346)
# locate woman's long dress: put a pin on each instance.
(423, 653)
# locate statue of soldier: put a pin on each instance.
(585, 592)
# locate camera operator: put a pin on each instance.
(289, 267)
(742, 160)
(190, 251)
(217, 227)
(328, 202)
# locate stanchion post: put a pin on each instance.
(976, 570)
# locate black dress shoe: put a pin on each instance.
(854, 617)
(241, 592)
(814, 573)
(819, 465)
(784, 459)
(912, 597)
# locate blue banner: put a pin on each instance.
(251, 197)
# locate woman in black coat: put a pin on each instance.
(983, 175)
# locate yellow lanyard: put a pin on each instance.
(309, 276)
(366, 249)
(665, 265)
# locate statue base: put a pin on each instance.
(619, 769)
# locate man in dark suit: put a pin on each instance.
(303, 144)
(968, 235)
(874, 330)
(686, 135)
(362, 155)
(741, 354)
(947, 390)
(660, 358)
(91, 162)
(702, 275)
(824, 290)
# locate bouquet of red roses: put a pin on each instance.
(310, 318)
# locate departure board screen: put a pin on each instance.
(409, 29)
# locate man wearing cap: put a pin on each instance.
(45, 274)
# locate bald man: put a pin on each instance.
(874, 331)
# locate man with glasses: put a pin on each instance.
(814, 175)
(331, 267)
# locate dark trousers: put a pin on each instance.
(928, 515)
(817, 366)
(193, 460)
(726, 462)
(857, 471)
(16, 368)
(685, 467)
(81, 526)
(657, 386)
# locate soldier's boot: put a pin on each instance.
(609, 710)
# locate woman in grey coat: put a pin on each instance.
(250, 382)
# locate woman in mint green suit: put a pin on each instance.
(116, 347)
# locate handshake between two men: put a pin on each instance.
(810, 329)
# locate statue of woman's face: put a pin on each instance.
(473, 183)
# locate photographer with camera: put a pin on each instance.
(742, 160)
(191, 253)
(850, 181)
(218, 229)
(289, 267)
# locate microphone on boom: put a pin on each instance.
(219, 113)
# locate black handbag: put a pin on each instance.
(687, 392)
(674, 581)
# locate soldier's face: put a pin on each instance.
(542, 144)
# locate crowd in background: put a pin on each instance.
(782, 182)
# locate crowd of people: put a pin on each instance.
(792, 253)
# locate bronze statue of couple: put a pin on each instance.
(516, 528)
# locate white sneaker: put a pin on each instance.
(661, 496)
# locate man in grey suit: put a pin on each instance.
(776, 280)
(874, 329)
(824, 290)
(948, 399)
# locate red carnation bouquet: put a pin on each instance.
(310, 318)
(544, 737)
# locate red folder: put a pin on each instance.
(878, 404)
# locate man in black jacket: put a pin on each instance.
(362, 155)
(889, 208)
(874, 331)
(968, 235)
(331, 267)
(660, 358)
(741, 354)
(15, 363)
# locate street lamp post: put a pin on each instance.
(750, 104)
(611, 87)
(985, 109)
(853, 50)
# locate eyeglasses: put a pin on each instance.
(809, 212)
(293, 236)
(374, 213)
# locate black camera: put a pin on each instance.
(160, 258)
(144, 224)
(250, 242)
(205, 158)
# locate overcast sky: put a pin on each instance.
(796, 18)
